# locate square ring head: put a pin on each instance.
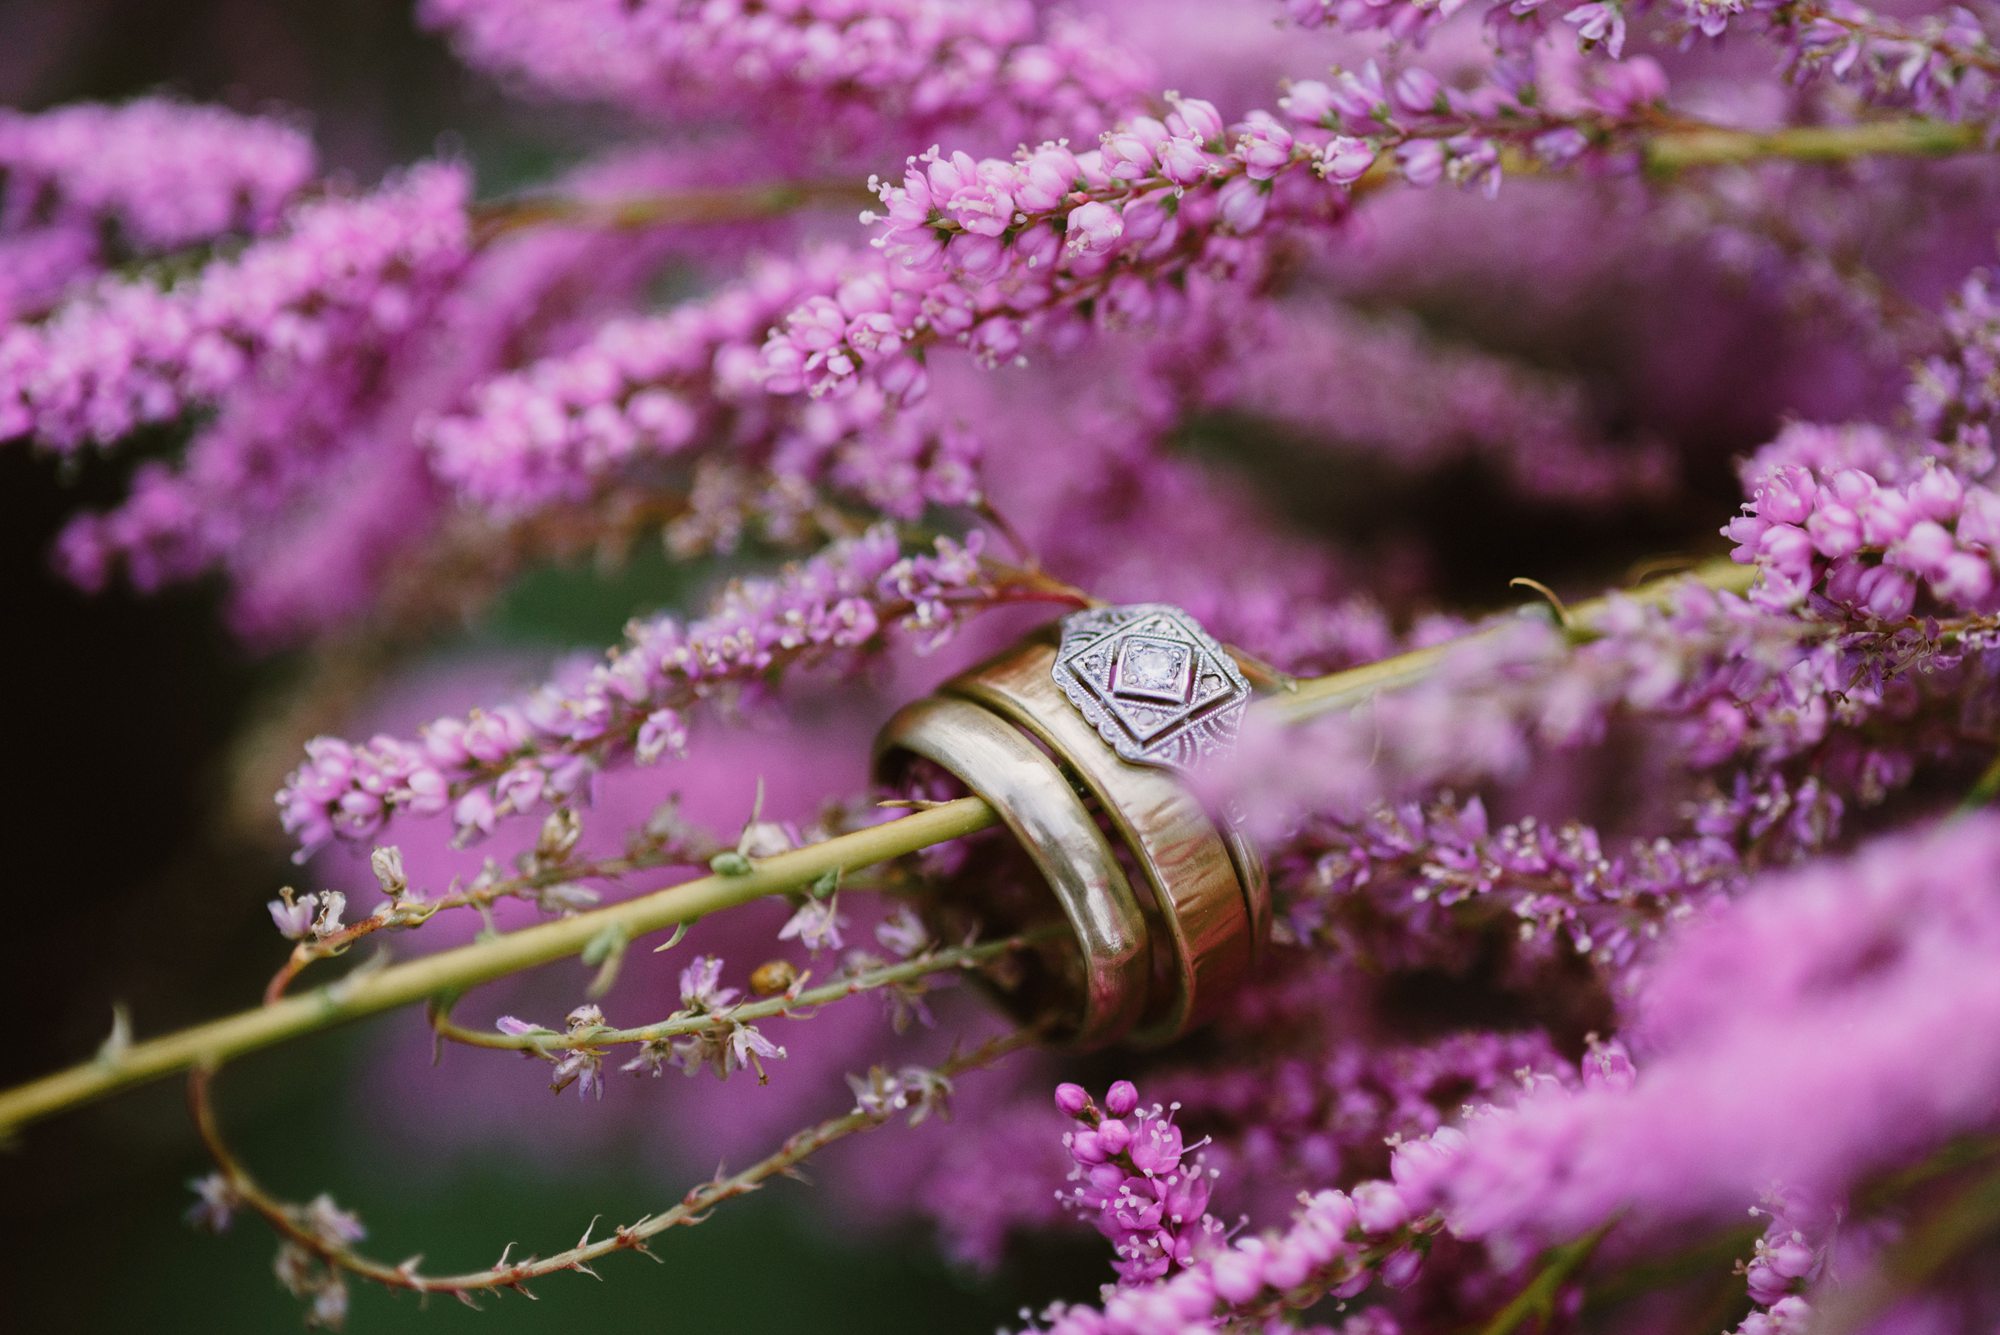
(1157, 687)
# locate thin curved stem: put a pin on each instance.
(791, 1003)
(450, 972)
(289, 1220)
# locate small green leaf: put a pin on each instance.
(604, 945)
(605, 953)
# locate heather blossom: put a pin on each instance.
(1876, 938)
(546, 750)
(1691, 1131)
(1139, 1182)
(273, 488)
(729, 1047)
(645, 392)
(1868, 547)
(129, 354)
(986, 246)
(1940, 63)
(864, 67)
(164, 174)
(87, 186)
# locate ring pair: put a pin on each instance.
(1166, 907)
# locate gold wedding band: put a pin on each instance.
(1109, 963)
(1167, 907)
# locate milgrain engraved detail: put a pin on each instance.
(1154, 684)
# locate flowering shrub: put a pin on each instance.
(1633, 959)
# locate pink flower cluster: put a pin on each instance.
(1835, 1022)
(995, 247)
(1338, 1243)
(303, 486)
(985, 249)
(1726, 676)
(559, 427)
(1430, 867)
(1954, 394)
(644, 392)
(1138, 1182)
(1870, 530)
(1794, 1251)
(1329, 1102)
(1512, 28)
(131, 354)
(161, 174)
(1725, 681)
(38, 264)
(264, 447)
(853, 64)
(545, 750)
(1941, 64)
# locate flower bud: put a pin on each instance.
(1121, 1098)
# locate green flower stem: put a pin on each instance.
(449, 973)
(1345, 690)
(1536, 1303)
(1678, 150)
(690, 206)
(453, 971)
(1664, 151)
(1969, 1217)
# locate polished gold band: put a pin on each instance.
(994, 760)
(1146, 965)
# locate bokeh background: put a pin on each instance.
(143, 744)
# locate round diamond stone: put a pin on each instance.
(1153, 666)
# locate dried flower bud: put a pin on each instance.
(387, 864)
(566, 897)
(559, 833)
(763, 839)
